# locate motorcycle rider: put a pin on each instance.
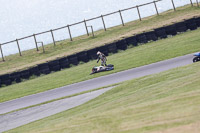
(102, 57)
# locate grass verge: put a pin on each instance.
(64, 48)
(133, 57)
(164, 102)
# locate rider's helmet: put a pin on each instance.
(98, 53)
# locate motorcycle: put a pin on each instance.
(102, 68)
(197, 57)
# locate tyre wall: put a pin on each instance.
(85, 56)
(131, 41)
(191, 24)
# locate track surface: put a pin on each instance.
(22, 117)
(95, 83)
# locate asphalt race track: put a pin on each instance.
(22, 117)
(86, 85)
(34, 99)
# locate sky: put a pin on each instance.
(21, 18)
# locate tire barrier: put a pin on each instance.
(91, 54)
(170, 30)
(112, 47)
(181, 27)
(82, 56)
(63, 62)
(197, 20)
(151, 36)
(73, 59)
(103, 49)
(132, 41)
(34, 71)
(5, 79)
(44, 68)
(121, 44)
(160, 33)
(15, 77)
(54, 65)
(141, 38)
(25, 74)
(191, 24)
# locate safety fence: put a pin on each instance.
(68, 27)
(85, 56)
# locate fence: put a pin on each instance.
(86, 26)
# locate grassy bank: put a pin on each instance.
(64, 48)
(167, 102)
(133, 57)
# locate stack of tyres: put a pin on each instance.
(5, 79)
(181, 27)
(15, 77)
(44, 68)
(34, 71)
(92, 54)
(191, 24)
(131, 41)
(25, 74)
(151, 36)
(170, 30)
(141, 38)
(103, 49)
(63, 62)
(121, 44)
(54, 65)
(73, 59)
(160, 33)
(112, 47)
(82, 56)
(197, 20)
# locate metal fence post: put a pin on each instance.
(42, 46)
(53, 38)
(86, 27)
(156, 8)
(92, 30)
(18, 47)
(197, 3)
(173, 5)
(139, 13)
(69, 33)
(121, 17)
(191, 2)
(35, 42)
(103, 22)
(2, 53)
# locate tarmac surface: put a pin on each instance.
(12, 120)
(22, 117)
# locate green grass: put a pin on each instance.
(133, 57)
(64, 48)
(168, 101)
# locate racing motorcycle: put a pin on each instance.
(102, 68)
(197, 57)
